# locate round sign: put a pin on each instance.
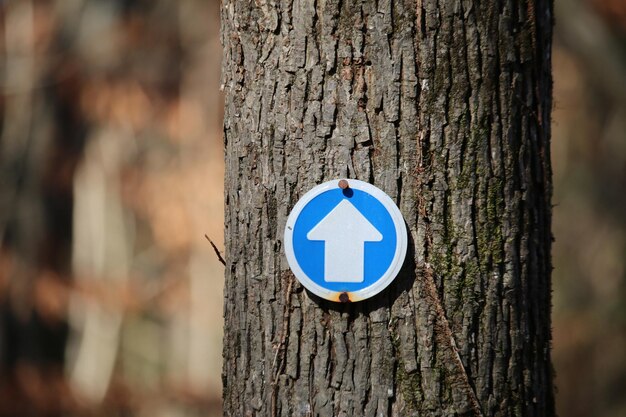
(345, 240)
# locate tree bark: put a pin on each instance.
(446, 107)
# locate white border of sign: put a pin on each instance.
(398, 258)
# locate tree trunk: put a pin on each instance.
(446, 107)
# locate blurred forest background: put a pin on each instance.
(111, 173)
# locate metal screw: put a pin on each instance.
(343, 184)
(344, 297)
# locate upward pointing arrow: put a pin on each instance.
(344, 231)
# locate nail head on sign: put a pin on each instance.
(343, 184)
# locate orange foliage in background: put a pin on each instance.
(141, 290)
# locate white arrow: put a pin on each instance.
(344, 231)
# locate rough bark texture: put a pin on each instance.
(445, 105)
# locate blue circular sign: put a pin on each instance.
(345, 244)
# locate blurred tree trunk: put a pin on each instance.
(446, 107)
(40, 144)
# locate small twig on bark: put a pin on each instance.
(217, 251)
(443, 333)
